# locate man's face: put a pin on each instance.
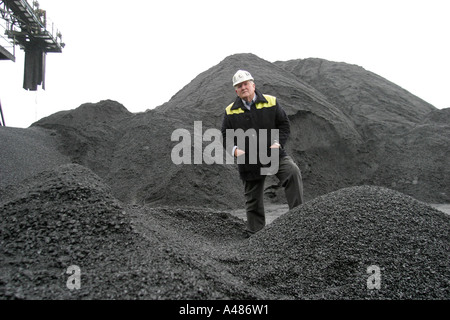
(245, 90)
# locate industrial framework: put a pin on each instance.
(27, 26)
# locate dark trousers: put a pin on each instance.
(291, 180)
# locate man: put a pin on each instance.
(251, 112)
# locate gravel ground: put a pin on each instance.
(320, 250)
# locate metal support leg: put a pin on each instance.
(2, 120)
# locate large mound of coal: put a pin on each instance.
(406, 140)
(121, 210)
(348, 127)
(324, 248)
(132, 154)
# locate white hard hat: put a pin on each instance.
(241, 76)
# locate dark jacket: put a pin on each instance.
(265, 113)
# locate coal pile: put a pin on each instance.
(27, 152)
(67, 217)
(57, 219)
(323, 249)
(406, 140)
(96, 188)
(320, 250)
(348, 127)
(132, 153)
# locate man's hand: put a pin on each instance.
(276, 145)
(238, 152)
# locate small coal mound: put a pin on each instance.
(323, 249)
(68, 217)
(57, 219)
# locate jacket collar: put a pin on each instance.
(239, 104)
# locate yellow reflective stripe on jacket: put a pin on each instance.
(271, 101)
(235, 111)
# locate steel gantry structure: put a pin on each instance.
(27, 26)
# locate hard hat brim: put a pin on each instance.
(242, 80)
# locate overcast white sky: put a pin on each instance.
(140, 53)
